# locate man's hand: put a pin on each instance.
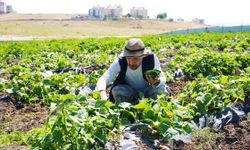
(103, 95)
(153, 81)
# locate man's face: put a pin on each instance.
(134, 62)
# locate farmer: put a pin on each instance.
(128, 75)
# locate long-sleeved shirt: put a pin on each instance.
(134, 78)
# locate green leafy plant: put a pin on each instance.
(81, 124)
(154, 73)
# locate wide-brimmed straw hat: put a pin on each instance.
(134, 48)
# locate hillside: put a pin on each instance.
(60, 26)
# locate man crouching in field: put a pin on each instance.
(129, 75)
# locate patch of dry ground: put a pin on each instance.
(20, 116)
(235, 136)
(58, 26)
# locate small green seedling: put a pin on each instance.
(154, 73)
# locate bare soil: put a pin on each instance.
(20, 116)
(177, 86)
(15, 147)
(235, 136)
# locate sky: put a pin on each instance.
(215, 12)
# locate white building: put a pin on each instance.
(139, 12)
(97, 12)
(197, 20)
(180, 20)
(9, 9)
(2, 7)
(113, 11)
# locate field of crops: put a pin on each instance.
(46, 100)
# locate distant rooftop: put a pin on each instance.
(98, 6)
(114, 6)
(139, 8)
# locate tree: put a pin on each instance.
(171, 20)
(162, 16)
(128, 15)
